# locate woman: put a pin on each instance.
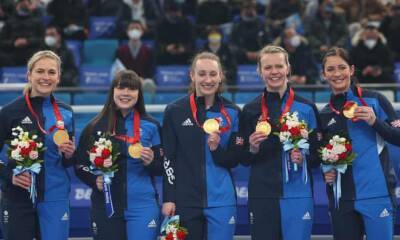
(38, 112)
(201, 145)
(280, 196)
(133, 193)
(367, 189)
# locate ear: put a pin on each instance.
(28, 74)
(192, 76)
(351, 70)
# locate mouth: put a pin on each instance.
(45, 83)
(124, 99)
(208, 86)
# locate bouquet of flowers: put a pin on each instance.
(24, 150)
(293, 134)
(103, 155)
(337, 154)
(172, 230)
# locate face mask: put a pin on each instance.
(134, 34)
(214, 38)
(370, 43)
(50, 41)
(295, 41)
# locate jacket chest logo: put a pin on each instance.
(331, 122)
(187, 123)
(26, 120)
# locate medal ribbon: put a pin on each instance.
(359, 91)
(56, 113)
(223, 111)
(264, 106)
(136, 130)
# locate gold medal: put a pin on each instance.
(264, 127)
(60, 136)
(211, 125)
(348, 112)
(135, 150)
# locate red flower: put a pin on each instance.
(348, 147)
(329, 146)
(295, 131)
(181, 234)
(342, 156)
(98, 162)
(93, 149)
(284, 128)
(169, 236)
(105, 153)
(25, 152)
(32, 145)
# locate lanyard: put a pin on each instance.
(136, 130)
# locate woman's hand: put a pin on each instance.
(296, 156)
(68, 148)
(22, 180)
(213, 140)
(330, 176)
(168, 209)
(147, 156)
(99, 183)
(365, 113)
(255, 139)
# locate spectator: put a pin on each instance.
(6, 10)
(216, 45)
(175, 36)
(248, 34)
(371, 56)
(21, 36)
(303, 66)
(146, 12)
(277, 13)
(54, 41)
(390, 28)
(212, 13)
(135, 55)
(71, 16)
(326, 29)
(104, 7)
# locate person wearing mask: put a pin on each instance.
(303, 66)
(135, 55)
(54, 41)
(38, 112)
(372, 56)
(202, 144)
(368, 199)
(21, 36)
(216, 45)
(133, 193)
(280, 201)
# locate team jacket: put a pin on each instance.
(194, 175)
(133, 185)
(371, 174)
(266, 173)
(53, 181)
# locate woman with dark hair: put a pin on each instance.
(202, 144)
(50, 125)
(133, 193)
(367, 200)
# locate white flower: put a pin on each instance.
(34, 137)
(338, 149)
(39, 145)
(33, 155)
(284, 136)
(92, 156)
(14, 142)
(15, 154)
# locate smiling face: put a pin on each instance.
(125, 98)
(207, 77)
(338, 74)
(274, 71)
(44, 77)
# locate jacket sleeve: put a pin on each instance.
(170, 145)
(82, 160)
(246, 128)
(230, 157)
(315, 137)
(385, 123)
(5, 172)
(156, 166)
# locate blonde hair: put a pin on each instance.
(38, 56)
(209, 56)
(272, 49)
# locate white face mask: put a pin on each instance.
(295, 41)
(370, 43)
(134, 34)
(50, 41)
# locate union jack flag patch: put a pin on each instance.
(396, 123)
(239, 141)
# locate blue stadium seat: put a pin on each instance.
(6, 97)
(13, 75)
(63, 97)
(227, 95)
(167, 97)
(81, 120)
(76, 47)
(99, 52)
(247, 76)
(95, 75)
(148, 98)
(305, 94)
(172, 75)
(245, 97)
(322, 96)
(89, 98)
(101, 27)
